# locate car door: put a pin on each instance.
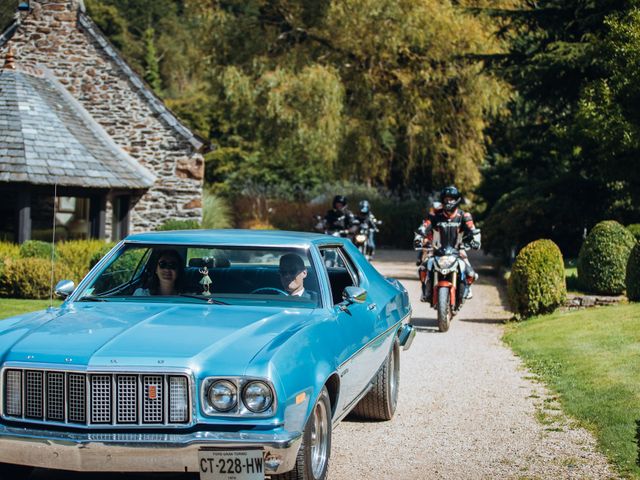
(356, 359)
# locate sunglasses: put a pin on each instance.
(290, 273)
(168, 265)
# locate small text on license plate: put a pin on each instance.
(231, 464)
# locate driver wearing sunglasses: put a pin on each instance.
(292, 275)
(166, 277)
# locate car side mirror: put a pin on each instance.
(354, 295)
(64, 288)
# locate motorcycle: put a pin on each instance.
(447, 266)
(362, 235)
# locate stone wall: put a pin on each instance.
(59, 36)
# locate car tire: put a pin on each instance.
(9, 471)
(381, 401)
(312, 462)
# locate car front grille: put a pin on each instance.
(95, 398)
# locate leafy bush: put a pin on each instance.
(35, 249)
(30, 277)
(98, 254)
(216, 212)
(634, 228)
(77, 256)
(10, 250)
(537, 282)
(632, 279)
(603, 258)
(179, 225)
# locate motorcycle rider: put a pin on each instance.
(449, 221)
(365, 217)
(339, 217)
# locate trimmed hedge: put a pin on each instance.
(179, 225)
(537, 282)
(77, 256)
(632, 278)
(10, 250)
(35, 249)
(634, 229)
(603, 258)
(97, 255)
(30, 277)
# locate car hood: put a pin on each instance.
(149, 335)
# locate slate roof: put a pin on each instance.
(47, 137)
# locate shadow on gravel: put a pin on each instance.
(482, 320)
(427, 325)
(44, 474)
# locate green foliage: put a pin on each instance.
(151, 67)
(98, 254)
(572, 124)
(8, 249)
(179, 225)
(77, 255)
(632, 278)
(634, 229)
(35, 249)
(7, 13)
(537, 282)
(216, 212)
(603, 258)
(30, 277)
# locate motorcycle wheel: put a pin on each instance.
(444, 309)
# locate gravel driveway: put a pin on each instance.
(467, 408)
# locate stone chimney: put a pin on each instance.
(8, 62)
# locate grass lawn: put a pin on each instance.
(591, 358)
(13, 306)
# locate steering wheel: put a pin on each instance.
(269, 289)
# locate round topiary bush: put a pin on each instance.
(602, 261)
(537, 282)
(35, 249)
(634, 229)
(632, 278)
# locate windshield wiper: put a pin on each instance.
(91, 298)
(202, 297)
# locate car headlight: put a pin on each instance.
(257, 396)
(222, 395)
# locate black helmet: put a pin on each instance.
(364, 206)
(453, 193)
(339, 199)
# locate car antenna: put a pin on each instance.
(53, 241)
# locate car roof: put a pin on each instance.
(264, 238)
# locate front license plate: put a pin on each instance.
(231, 464)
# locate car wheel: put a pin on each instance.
(312, 462)
(14, 472)
(381, 401)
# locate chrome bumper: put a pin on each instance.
(138, 452)
(406, 335)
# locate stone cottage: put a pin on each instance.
(76, 119)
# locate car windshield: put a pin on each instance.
(206, 274)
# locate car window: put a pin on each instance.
(340, 271)
(217, 274)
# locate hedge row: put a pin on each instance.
(25, 270)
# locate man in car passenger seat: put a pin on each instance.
(292, 275)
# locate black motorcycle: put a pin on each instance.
(362, 235)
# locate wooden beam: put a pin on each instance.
(24, 215)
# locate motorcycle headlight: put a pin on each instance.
(446, 262)
(257, 396)
(222, 395)
(360, 238)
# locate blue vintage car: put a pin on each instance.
(229, 353)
